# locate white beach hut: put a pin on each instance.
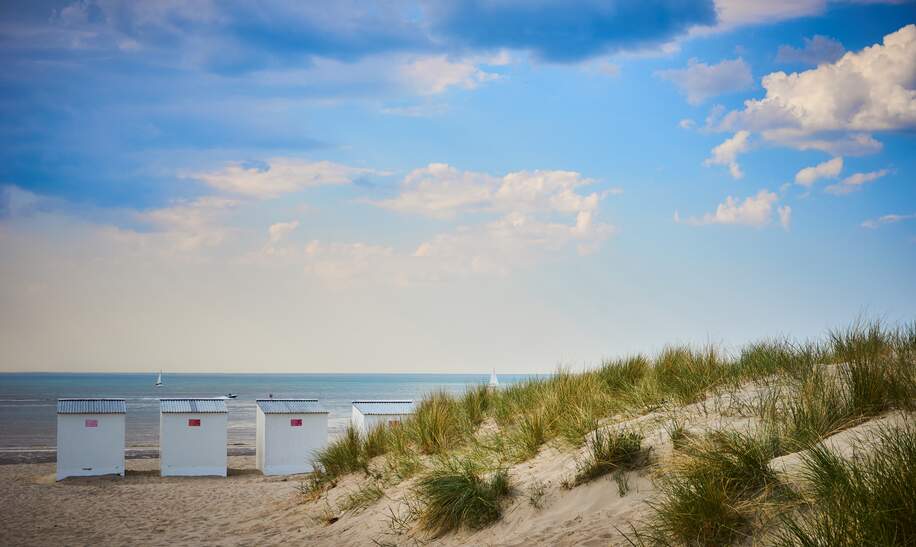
(368, 414)
(289, 432)
(90, 437)
(192, 437)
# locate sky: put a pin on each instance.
(447, 186)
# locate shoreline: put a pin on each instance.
(17, 456)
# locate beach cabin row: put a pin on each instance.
(193, 434)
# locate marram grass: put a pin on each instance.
(715, 487)
(608, 451)
(459, 493)
(866, 500)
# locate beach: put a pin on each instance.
(247, 508)
(145, 509)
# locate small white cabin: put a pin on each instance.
(368, 414)
(289, 432)
(192, 437)
(90, 437)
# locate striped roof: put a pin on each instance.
(290, 406)
(195, 406)
(384, 407)
(91, 406)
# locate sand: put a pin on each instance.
(247, 508)
(145, 509)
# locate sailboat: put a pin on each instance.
(494, 382)
(159, 380)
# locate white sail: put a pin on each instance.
(493, 380)
(159, 379)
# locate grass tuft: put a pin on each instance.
(529, 435)
(687, 374)
(343, 455)
(718, 484)
(867, 500)
(457, 493)
(609, 451)
(439, 424)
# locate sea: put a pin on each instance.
(28, 417)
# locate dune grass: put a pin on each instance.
(476, 402)
(440, 424)
(528, 437)
(376, 441)
(342, 455)
(359, 499)
(868, 500)
(685, 374)
(608, 451)
(459, 493)
(718, 485)
(717, 488)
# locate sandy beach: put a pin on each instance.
(145, 509)
(247, 508)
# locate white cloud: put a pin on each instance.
(278, 232)
(754, 211)
(497, 247)
(501, 245)
(278, 176)
(887, 219)
(528, 206)
(687, 123)
(736, 13)
(442, 191)
(727, 153)
(700, 81)
(435, 74)
(835, 106)
(508, 223)
(855, 182)
(852, 144)
(188, 225)
(817, 50)
(828, 169)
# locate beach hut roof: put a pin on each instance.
(290, 406)
(195, 406)
(91, 406)
(384, 407)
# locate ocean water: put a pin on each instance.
(28, 418)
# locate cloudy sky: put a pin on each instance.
(447, 185)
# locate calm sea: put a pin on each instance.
(28, 401)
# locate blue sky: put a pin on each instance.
(447, 186)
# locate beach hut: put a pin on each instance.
(289, 432)
(368, 414)
(90, 437)
(192, 437)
